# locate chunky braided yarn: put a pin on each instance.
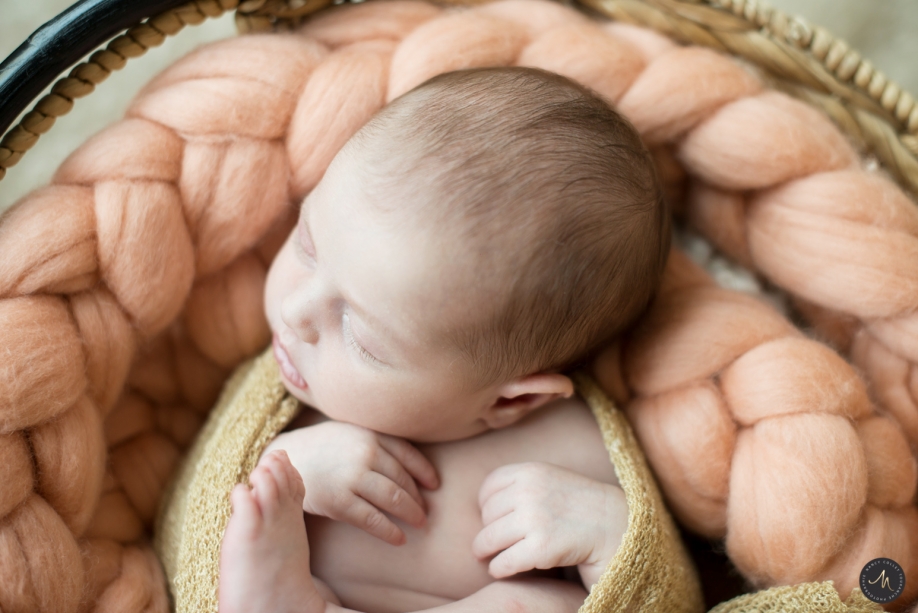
(851, 229)
(131, 286)
(763, 436)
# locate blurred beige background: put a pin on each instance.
(885, 31)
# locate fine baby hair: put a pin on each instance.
(547, 187)
(132, 286)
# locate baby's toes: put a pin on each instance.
(265, 490)
(289, 483)
(246, 520)
(297, 487)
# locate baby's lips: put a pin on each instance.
(288, 370)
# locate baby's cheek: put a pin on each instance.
(358, 402)
(359, 398)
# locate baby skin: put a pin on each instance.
(481, 234)
(539, 495)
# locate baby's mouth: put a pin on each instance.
(286, 365)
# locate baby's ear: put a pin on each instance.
(521, 396)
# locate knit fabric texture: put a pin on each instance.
(815, 597)
(252, 410)
(650, 572)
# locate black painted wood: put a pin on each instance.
(62, 42)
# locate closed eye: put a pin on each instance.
(349, 338)
(302, 254)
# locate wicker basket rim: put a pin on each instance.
(797, 57)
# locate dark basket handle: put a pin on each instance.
(61, 43)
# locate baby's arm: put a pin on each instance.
(538, 515)
(353, 474)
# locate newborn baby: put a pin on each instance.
(480, 235)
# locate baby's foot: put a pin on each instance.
(264, 560)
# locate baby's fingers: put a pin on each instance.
(361, 514)
(388, 496)
(497, 480)
(388, 466)
(415, 462)
(500, 504)
(524, 555)
(497, 536)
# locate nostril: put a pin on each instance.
(305, 331)
(298, 327)
(309, 334)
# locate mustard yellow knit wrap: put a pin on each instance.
(651, 571)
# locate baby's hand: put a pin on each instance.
(352, 474)
(538, 515)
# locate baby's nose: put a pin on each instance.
(297, 311)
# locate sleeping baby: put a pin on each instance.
(477, 237)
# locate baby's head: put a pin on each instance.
(479, 235)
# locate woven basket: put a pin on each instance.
(800, 59)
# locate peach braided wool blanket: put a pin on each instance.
(131, 287)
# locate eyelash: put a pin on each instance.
(349, 337)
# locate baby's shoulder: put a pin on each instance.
(564, 433)
(563, 420)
